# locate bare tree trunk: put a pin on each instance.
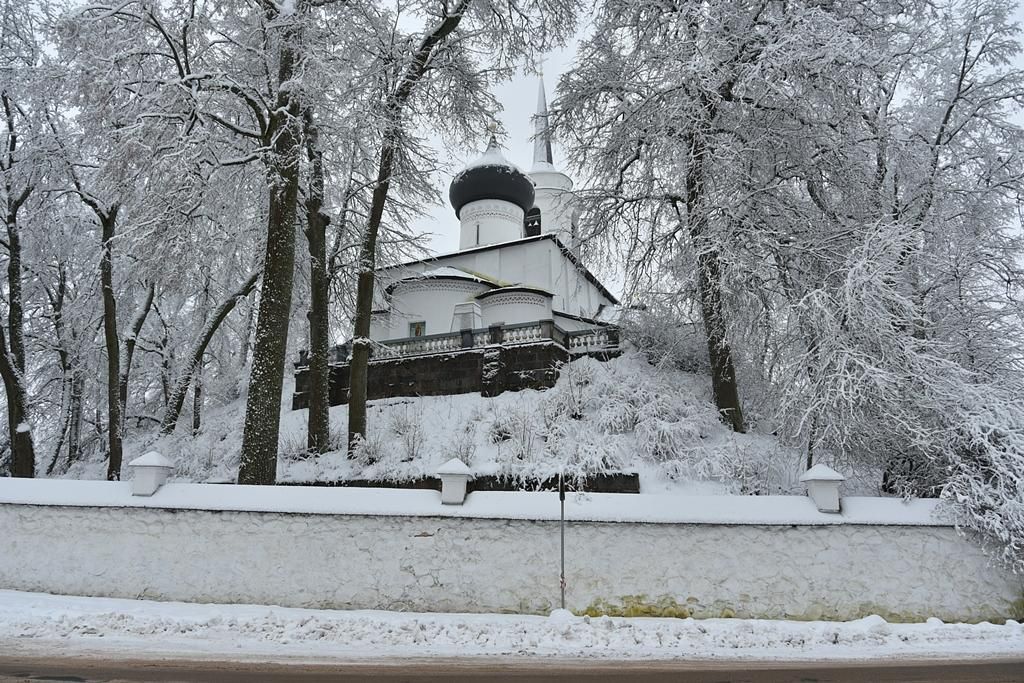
(113, 344)
(245, 343)
(75, 424)
(64, 358)
(176, 395)
(129, 348)
(359, 367)
(263, 408)
(709, 286)
(197, 400)
(723, 373)
(65, 413)
(319, 425)
(394, 108)
(107, 217)
(12, 365)
(23, 457)
(166, 360)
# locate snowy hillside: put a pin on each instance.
(624, 415)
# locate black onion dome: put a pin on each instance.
(491, 176)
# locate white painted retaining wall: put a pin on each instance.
(767, 557)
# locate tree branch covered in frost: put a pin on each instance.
(862, 201)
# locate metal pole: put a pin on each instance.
(561, 524)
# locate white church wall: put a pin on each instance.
(431, 301)
(575, 294)
(510, 308)
(554, 197)
(538, 263)
(489, 221)
(387, 549)
(380, 325)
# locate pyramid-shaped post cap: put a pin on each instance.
(821, 472)
(151, 459)
(823, 487)
(454, 474)
(454, 466)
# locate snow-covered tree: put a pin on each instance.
(437, 76)
(858, 169)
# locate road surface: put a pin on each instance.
(89, 670)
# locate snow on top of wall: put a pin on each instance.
(594, 507)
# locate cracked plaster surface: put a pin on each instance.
(493, 565)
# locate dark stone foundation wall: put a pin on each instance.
(490, 370)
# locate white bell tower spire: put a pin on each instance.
(542, 157)
(554, 198)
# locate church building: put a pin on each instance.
(506, 309)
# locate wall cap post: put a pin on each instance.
(822, 484)
(454, 475)
(149, 472)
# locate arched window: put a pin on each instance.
(532, 222)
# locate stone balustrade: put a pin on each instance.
(490, 360)
(577, 342)
(588, 341)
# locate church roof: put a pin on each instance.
(444, 273)
(491, 176)
(511, 243)
(514, 288)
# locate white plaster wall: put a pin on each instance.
(493, 565)
(489, 221)
(557, 204)
(538, 264)
(380, 325)
(515, 307)
(432, 301)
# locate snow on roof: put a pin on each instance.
(447, 271)
(151, 459)
(454, 466)
(492, 156)
(515, 288)
(527, 505)
(821, 472)
(443, 272)
(511, 243)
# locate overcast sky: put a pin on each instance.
(519, 98)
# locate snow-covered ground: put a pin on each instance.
(31, 622)
(623, 415)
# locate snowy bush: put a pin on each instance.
(670, 334)
(985, 477)
(369, 449)
(463, 443)
(406, 422)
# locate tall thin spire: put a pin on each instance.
(542, 157)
